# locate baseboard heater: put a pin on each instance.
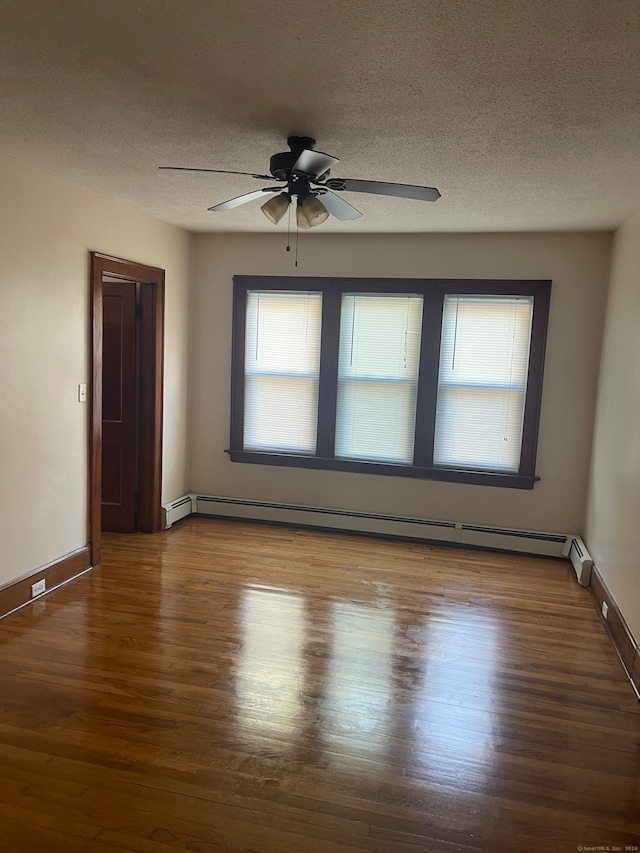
(498, 539)
(180, 508)
(576, 551)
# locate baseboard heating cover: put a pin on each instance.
(180, 508)
(499, 539)
(576, 551)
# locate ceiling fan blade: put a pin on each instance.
(383, 188)
(243, 199)
(217, 171)
(337, 206)
(313, 163)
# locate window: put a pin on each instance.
(482, 381)
(378, 377)
(282, 367)
(437, 379)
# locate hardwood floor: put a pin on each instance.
(252, 689)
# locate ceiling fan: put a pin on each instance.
(305, 176)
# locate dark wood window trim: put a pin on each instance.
(433, 292)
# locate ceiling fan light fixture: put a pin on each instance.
(276, 207)
(301, 219)
(313, 211)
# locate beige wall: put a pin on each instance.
(47, 228)
(613, 528)
(579, 267)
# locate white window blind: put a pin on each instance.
(282, 365)
(378, 377)
(484, 360)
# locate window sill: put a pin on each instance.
(448, 475)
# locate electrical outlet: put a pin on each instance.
(38, 588)
(605, 609)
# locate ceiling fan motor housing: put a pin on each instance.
(280, 165)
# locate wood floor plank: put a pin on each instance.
(246, 688)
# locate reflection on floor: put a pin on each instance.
(252, 689)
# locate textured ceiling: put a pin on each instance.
(526, 115)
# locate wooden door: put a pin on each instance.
(119, 404)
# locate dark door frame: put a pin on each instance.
(151, 393)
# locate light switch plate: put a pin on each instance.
(82, 393)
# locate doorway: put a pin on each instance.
(125, 439)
